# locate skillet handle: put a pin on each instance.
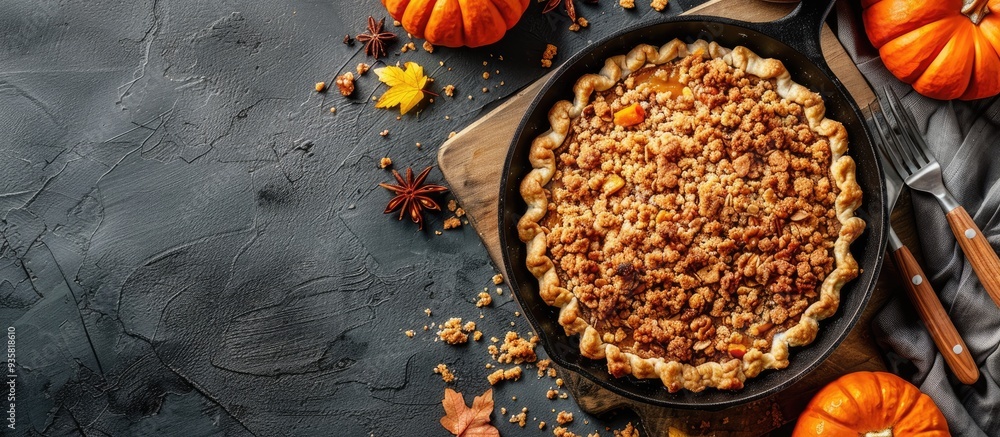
(802, 28)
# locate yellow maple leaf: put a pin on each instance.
(406, 87)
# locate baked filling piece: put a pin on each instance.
(691, 213)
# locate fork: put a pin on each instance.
(910, 156)
(946, 337)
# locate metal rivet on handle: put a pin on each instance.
(917, 280)
(957, 349)
(970, 233)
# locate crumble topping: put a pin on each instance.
(702, 228)
(724, 289)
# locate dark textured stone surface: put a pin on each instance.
(192, 244)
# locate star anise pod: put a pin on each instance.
(570, 7)
(376, 38)
(412, 196)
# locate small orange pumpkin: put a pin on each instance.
(457, 23)
(946, 49)
(871, 404)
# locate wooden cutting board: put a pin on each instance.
(472, 163)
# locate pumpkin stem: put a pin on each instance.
(976, 10)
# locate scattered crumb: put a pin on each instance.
(320, 87)
(548, 54)
(478, 335)
(449, 90)
(489, 365)
(419, 145)
(541, 425)
(459, 212)
(384, 132)
(470, 96)
(410, 333)
(543, 365)
(362, 68)
(469, 326)
(594, 434)
(575, 27)
(516, 349)
(559, 382)
(629, 431)
(512, 374)
(345, 83)
(659, 5)
(451, 331)
(428, 47)
(407, 47)
(497, 279)
(499, 290)
(494, 340)
(451, 134)
(427, 311)
(385, 162)
(565, 395)
(446, 374)
(486, 90)
(426, 328)
(396, 23)
(521, 418)
(582, 22)
(564, 417)
(452, 223)
(627, 4)
(485, 63)
(503, 411)
(333, 110)
(552, 372)
(452, 205)
(517, 314)
(486, 75)
(552, 393)
(484, 299)
(563, 432)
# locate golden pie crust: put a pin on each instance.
(697, 245)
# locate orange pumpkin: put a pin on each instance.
(457, 23)
(871, 404)
(946, 49)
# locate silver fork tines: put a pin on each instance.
(908, 152)
(902, 144)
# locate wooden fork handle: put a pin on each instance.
(977, 250)
(942, 330)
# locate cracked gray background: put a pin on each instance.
(193, 244)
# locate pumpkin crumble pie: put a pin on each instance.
(691, 214)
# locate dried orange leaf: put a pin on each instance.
(468, 422)
(406, 87)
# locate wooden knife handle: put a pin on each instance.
(942, 330)
(977, 250)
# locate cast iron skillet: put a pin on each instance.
(795, 41)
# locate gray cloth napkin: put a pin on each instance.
(965, 138)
